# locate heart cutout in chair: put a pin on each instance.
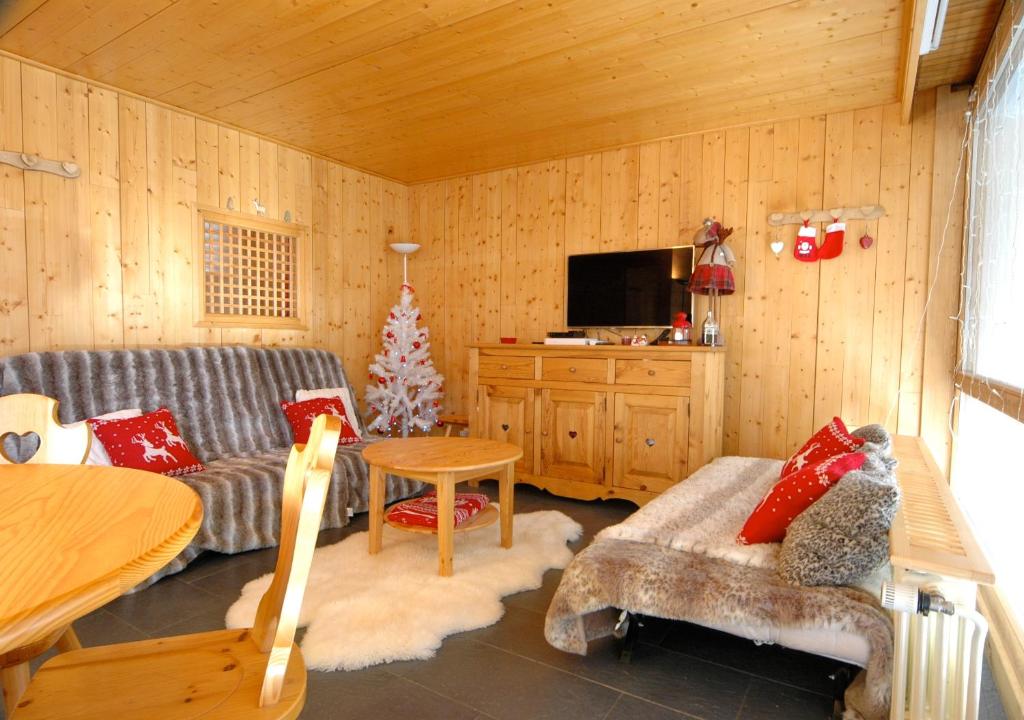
(20, 448)
(572, 434)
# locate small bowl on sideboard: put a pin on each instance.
(508, 340)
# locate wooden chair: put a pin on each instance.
(58, 445)
(22, 414)
(450, 420)
(227, 674)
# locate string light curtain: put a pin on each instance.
(993, 318)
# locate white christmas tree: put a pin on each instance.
(406, 390)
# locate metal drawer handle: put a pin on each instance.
(651, 373)
(504, 426)
(504, 367)
(650, 442)
(572, 369)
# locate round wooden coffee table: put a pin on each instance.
(442, 462)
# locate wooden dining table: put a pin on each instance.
(75, 537)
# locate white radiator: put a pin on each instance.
(938, 655)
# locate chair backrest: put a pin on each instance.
(305, 489)
(25, 413)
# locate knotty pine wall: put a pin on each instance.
(804, 341)
(106, 260)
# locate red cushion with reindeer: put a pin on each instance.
(793, 494)
(148, 442)
(831, 440)
(422, 511)
(302, 414)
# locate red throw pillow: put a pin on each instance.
(422, 511)
(831, 440)
(148, 442)
(302, 414)
(793, 494)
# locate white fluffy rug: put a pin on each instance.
(364, 610)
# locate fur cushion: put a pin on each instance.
(844, 535)
(876, 439)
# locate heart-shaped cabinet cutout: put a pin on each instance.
(19, 448)
(572, 434)
(504, 426)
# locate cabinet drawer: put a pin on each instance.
(587, 370)
(669, 373)
(520, 368)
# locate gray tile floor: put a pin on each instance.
(508, 670)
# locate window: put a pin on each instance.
(987, 476)
(252, 273)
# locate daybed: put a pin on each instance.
(677, 558)
(226, 403)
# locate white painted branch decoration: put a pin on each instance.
(865, 212)
(25, 161)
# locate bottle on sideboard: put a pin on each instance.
(710, 334)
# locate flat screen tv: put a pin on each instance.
(641, 288)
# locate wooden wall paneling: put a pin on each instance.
(455, 277)
(648, 196)
(14, 309)
(890, 267)
(919, 212)
(944, 264)
(159, 178)
(734, 212)
(780, 296)
(487, 324)
(323, 294)
(859, 264)
(180, 237)
(140, 306)
(336, 269)
(59, 253)
(509, 296)
(583, 206)
(670, 158)
(619, 182)
(208, 164)
(268, 188)
(761, 161)
(229, 169)
(105, 219)
(836, 283)
(248, 172)
(803, 279)
(359, 337)
(427, 266)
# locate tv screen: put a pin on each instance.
(642, 288)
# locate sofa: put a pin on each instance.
(226, 401)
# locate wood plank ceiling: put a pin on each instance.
(422, 89)
(965, 37)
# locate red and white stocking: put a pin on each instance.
(832, 247)
(806, 247)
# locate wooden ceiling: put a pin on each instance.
(422, 89)
(965, 37)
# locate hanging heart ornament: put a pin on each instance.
(866, 241)
(777, 247)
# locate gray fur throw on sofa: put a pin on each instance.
(226, 401)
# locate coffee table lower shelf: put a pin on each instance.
(485, 518)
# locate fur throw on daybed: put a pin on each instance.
(677, 558)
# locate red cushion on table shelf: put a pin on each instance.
(302, 414)
(831, 440)
(793, 494)
(422, 511)
(148, 442)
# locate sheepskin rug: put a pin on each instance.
(363, 610)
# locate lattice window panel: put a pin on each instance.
(251, 272)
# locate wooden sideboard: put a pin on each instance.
(606, 421)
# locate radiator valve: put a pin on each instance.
(910, 599)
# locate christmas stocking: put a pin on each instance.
(832, 247)
(806, 247)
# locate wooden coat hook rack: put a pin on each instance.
(865, 212)
(25, 161)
